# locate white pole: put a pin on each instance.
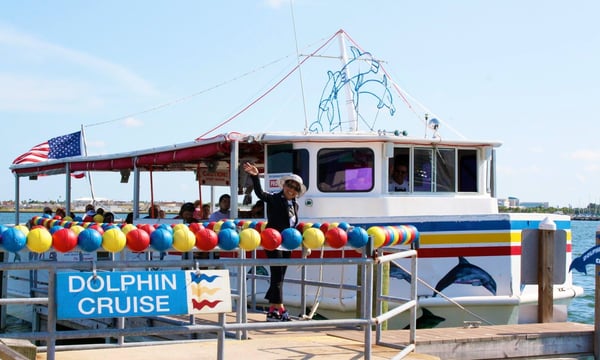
(89, 174)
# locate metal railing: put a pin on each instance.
(370, 288)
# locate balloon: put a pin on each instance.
(228, 239)
(206, 239)
(114, 240)
(313, 238)
(64, 240)
(127, 228)
(336, 237)
(270, 239)
(291, 238)
(249, 239)
(89, 240)
(161, 240)
(194, 227)
(379, 236)
(228, 225)
(137, 239)
(357, 237)
(13, 239)
(22, 228)
(183, 239)
(39, 240)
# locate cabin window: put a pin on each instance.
(399, 171)
(435, 169)
(285, 159)
(345, 170)
(467, 170)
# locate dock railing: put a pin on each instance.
(371, 263)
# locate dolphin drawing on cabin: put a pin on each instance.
(591, 256)
(466, 273)
(427, 320)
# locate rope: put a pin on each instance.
(444, 296)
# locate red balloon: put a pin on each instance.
(206, 239)
(194, 227)
(211, 225)
(97, 227)
(324, 227)
(147, 228)
(270, 239)
(137, 240)
(64, 240)
(336, 237)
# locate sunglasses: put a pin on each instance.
(293, 186)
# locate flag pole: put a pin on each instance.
(89, 174)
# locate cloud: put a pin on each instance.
(38, 90)
(585, 154)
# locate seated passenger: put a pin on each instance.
(223, 212)
(399, 178)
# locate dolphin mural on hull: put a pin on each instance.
(427, 320)
(466, 273)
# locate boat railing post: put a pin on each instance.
(597, 303)
(546, 271)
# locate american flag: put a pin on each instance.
(55, 148)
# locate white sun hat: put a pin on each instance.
(295, 178)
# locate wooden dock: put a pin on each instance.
(564, 340)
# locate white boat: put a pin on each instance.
(469, 255)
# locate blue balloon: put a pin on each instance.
(291, 238)
(228, 225)
(13, 239)
(344, 225)
(55, 228)
(358, 237)
(161, 239)
(166, 227)
(229, 239)
(89, 240)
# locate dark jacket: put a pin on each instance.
(278, 212)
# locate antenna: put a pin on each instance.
(299, 67)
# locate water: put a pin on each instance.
(581, 309)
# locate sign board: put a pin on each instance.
(272, 181)
(81, 295)
(219, 177)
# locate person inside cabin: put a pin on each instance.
(205, 211)
(61, 213)
(48, 212)
(90, 212)
(109, 217)
(223, 212)
(198, 210)
(282, 213)
(186, 213)
(129, 218)
(258, 209)
(153, 212)
(162, 214)
(398, 177)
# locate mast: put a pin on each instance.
(352, 116)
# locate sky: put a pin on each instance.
(138, 74)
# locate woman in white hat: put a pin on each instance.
(282, 213)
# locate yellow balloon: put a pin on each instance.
(127, 228)
(77, 229)
(68, 218)
(183, 239)
(249, 239)
(98, 218)
(378, 235)
(217, 226)
(179, 226)
(113, 240)
(24, 229)
(39, 240)
(313, 238)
